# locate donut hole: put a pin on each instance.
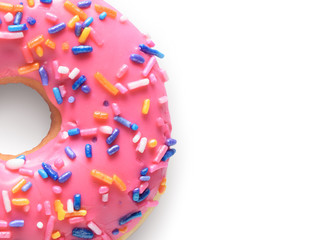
(28, 120)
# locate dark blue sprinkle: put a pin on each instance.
(64, 177)
(134, 127)
(127, 218)
(144, 172)
(113, 136)
(44, 76)
(17, 28)
(79, 82)
(135, 194)
(78, 29)
(123, 121)
(57, 28)
(86, 89)
(137, 58)
(51, 173)
(83, 233)
(73, 132)
(81, 49)
(16, 223)
(114, 149)
(77, 202)
(94, 139)
(150, 51)
(46, 1)
(170, 142)
(88, 151)
(144, 195)
(18, 18)
(84, 4)
(144, 178)
(106, 103)
(169, 153)
(31, 21)
(58, 95)
(115, 231)
(70, 153)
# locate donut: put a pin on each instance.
(102, 167)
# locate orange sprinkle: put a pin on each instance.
(20, 201)
(163, 181)
(56, 235)
(36, 41)
(6, 7)
(121, 185)
(123, 229)
(18, 8)
(75, 10)
(18, 186)
(71, 23)
(107, 85)
(152, 143)
(162, 189)
(28, 68)
(65, 46)
(80, 213)
(110, 12)
(39, 51)
(100, 115)
(30, 3)
(50, 44)
(101, 176)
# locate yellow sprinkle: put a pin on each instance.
(28, 68)
(65, 46)
(30, 3)
(84, 35)
(107, 85)
(101, 176)
(59, 208)
(145, 107)
(18, 186)
(152, 143)
(71, 23)
(80, 213)
(39, 51)
(121, 185)
(20, 201)
(50, 44)
(56, 235)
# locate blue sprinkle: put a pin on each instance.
(134, 127)
(144, 172)
(58, 95)
(88, 151)
(21, 157)
(144, 178)
(83, 233)
(77, 202)
(115, 231)
(18, 18)
(81, 49)
(102, 16)
(26, 187)
(44, 76)
(151, 51)
(17, 28)
(16, 223)
(86, 89)
(31, 21)
(137, 58)
(57, 28)
(144, 195)
(70, 153)
(169, 153)
(64, 177)
(0, 21)
(46, 1)
(73, 132)
(123, 121)
(78, 29)
(43, 173)
(51, 173)
(79, 82)
(170, 142)
(84, 4)
(106, 103)
(113, 136)
(71, 99)
(111, 151)
(87, 22)
(127, 218)
(135, 194)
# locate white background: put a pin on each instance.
(248, 99)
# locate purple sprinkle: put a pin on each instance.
(106, 103)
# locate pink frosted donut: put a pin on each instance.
(100, 170)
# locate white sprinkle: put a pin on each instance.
(11, 35)
(14, 164)
(64, 135)
(162, 100)
(39, 225)
(106, 129)
(165, 76)
(8, 17)
(142, 145)
(6, 201)
(138, 84)
(74, 73)
(63, 70)
(104, 197)
(136, 138)
(70, 206)
(123, 19)
(94, 228)
(26, 208)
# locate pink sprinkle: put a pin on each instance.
(165, 76)
(156, 167)
(51, 17)
(143, 187)
(49, 228)
(138, 84)
(103, 190)
(26, 208)
(63, 136)
(5, 235)
(116, 109)
(3, 224)
(150, 43)
(149, 66)
(121, 88)
(152, 78)
(26, 172)
(151, 204)
(89, 132)
(162, 100)
(160, 153)
(57, 189)
(122, 71)
(47, 208)
(105, 237)
(55, 66)
(160, 122)
(27, 54)
(96, 38)
(39, 207)
(62, 90)
(75, 220)
(59, 163)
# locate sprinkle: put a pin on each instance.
(84, 35)
(137, 58)
(163, 100)
(84, 233)
(6, 201)
(55, 66)
(17, 28)
(115, 231)
(150, 51)
(39, 51)
(8, 17)
(87, 22)
(136, 138)
(39, 225)
(44, 76)
(56, 235)
(144, 178)
(31, 21)
(123, 121)
(73, 21)
(152, 78)
(169, 153)
(164, 74)
(151, 204)
(27, 186)
(57, 28)
(18, 18)
(96, 38)
(122, 71)
(100, 115)
(5, 235)
(103, 190)
(158, 166)
(57, 189)
(64, 177)
(145, 107)
(36, 41)
(48, 169)
(123, 19)
(70, 153)
(144, 186)
(27, 54)
(102, 16)
(77, 202)
(149, 66)
(28, 68)
(50, 44)
(6, 7)
(119, 183)
(30, 3)
(116, 109)
(74, 73)
(142, 145)
(134, 127)
(59, 163)
(170, 142)
(20, 201)
(127, 218)
(50, 227)
(135, 195)
(58, 95)
(73, 132)
(75, 220)
(88, 132)
(71, 99)
(26, 172)
(113, 136)
(81, 49)
(150, 43)
(51, 17)
(152, 143)
(79, 82)
(43, 173)
(101, 176)
(16, 223)
(144, 171)
(161, 151)
(70, 206)
(100, 9)
(22, 157)
(105, 197)
(78, 29)
(86, 89)
(144, 195)
(39, 207)
(106, 84)
(84, 4)
(106, 129)
(18, 186)
(80, 213)
(75, 10)
(111, 151)
(121, 88)
(46, 1)
(88, 151)
(94, 228)
(14, 164)
(138, 84)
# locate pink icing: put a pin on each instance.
(113, 42)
